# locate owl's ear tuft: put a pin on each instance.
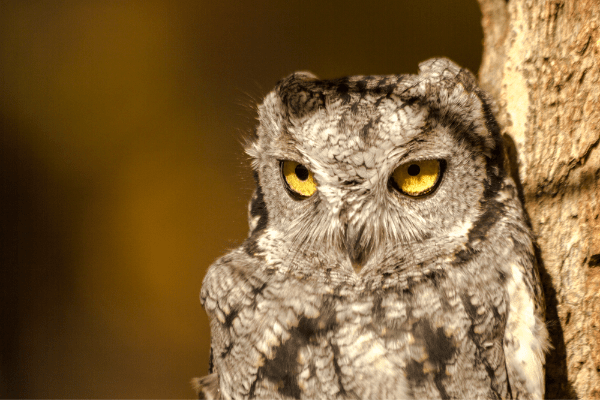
(301, 94)
(298, 76)
(445, 68)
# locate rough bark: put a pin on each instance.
(541, 63)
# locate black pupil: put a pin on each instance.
(302, 172)
(414, 170)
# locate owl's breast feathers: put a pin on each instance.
(437, 335)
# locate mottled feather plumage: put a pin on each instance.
(360, 291)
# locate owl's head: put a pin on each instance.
(372, 173)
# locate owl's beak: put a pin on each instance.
(357, 267)
(357, 249)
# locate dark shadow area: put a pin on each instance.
(557, 382)
(35, 276)
(9, 307)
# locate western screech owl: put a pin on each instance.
(388, 256)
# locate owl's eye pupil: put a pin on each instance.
(414, 170)
(301, 172)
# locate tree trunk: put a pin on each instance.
(541, 63)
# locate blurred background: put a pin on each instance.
(123, 177)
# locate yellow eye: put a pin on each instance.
(299, 179)
(417, 178)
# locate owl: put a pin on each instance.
(388, 257)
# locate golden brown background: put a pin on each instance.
(122, 175)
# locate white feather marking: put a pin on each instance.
(525, 338)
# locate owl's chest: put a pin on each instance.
(386, 344)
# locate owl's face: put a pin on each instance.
(371, 174)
